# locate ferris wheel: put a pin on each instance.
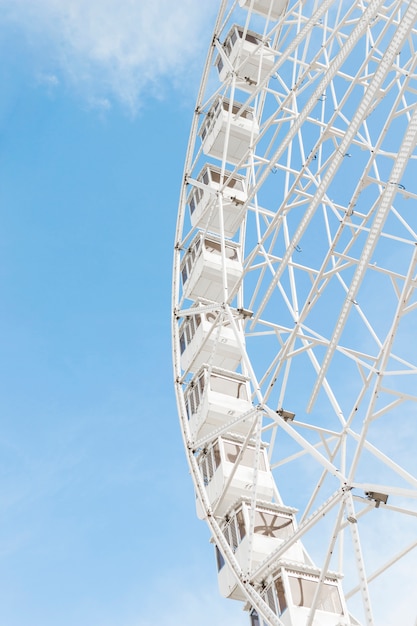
(295, 309)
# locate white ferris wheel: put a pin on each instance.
(295, 309)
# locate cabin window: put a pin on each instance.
(206, 178)
(230, 535)
(303, 591)
(189, 403)
(195, 248)
(242, 391)
(235, 183)
(251, 39)
(182, 342)
(220, 384)
(194, 395)
(192, 205)
(216, 455)
(234, 531)
(193, 400)
(248, 458)
(229, 387)
(246, 113)
(219, 64)
(215, 176)
(189, 260)
(219, 559)
(211, 317)
(271, 600)
(273, 525)
(201, 383)
(231, 253)
(195, 199)
(241, 523)
(225, 105)
(232, 183)
(279, 589)
(254, 618)
(189, 332)
(275, 597)
(215, 248)
(209, 462)
(212, 246)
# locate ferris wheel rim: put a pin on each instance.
(346, 481)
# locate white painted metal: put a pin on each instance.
(215, 398)
(274, 523)
(299, 588)
(273, 9)
(324, 136)
(202, 200)
(228, 125)
(227, 467)
(206, 337)
(203, 265)
(248, 56)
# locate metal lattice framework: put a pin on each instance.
(308, 110)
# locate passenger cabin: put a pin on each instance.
(221, 461)
(268, 8)
(203, 201)
(202, 268)
(273, 524)
(206, 337)
(243, 130)
(291, 593)
(214, 398)
(250, 56)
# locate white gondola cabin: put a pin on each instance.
(243, 130)
(273, 524)
(202, 268)
(268, 8)
(291, 593)
(248, 55)
(215, 398)
(207, 337)
(203, 201)
(221, 461)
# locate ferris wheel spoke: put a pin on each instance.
(384, 568)
(387, 197)
(326, 563)
(363, 586)
(385, 352)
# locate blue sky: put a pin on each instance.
(97, 523)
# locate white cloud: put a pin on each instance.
(48, 79)
(118, 49)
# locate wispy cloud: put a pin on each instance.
(115, 49)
